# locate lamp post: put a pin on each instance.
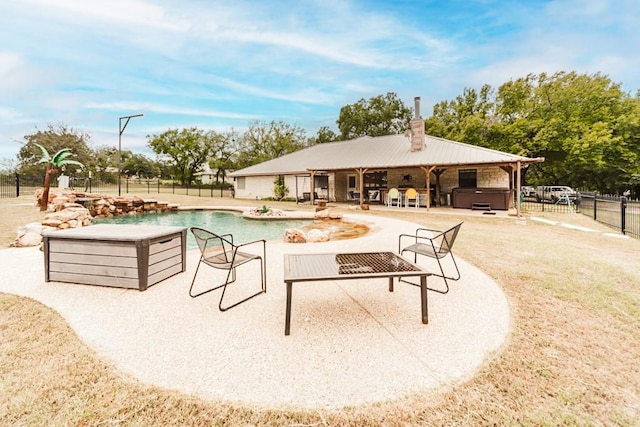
(120, 131)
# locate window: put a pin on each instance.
(241, 182)
(351, 181)
(321, 181)
(376, 179)
(467, 178)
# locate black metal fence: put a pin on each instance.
(17, 185)
(546, 202)
(616, 212)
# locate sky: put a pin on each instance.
(218, 64)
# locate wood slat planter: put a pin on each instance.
(124, 256)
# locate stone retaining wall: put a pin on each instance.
(71, 209)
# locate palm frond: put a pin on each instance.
(70, 162)
(46, 157)
(61, 155)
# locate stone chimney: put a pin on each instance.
(417, 128)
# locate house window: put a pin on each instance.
(468, 178)
(321, 181)
(376, 179)
(351, 181)
(241, 182)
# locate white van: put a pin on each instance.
(556, 194)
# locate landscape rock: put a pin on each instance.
(293, 235)
(315, 235)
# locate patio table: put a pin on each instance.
(343, 266)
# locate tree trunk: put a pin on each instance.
(44, 201)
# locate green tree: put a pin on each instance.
(570, 120)
(188, 149)
(53, 163)
(324, 135)
(584, 126)
(266, 141)
(380, 115)
(225, 154)
(54, 139)
(465, 119)
(139, 165)
(280, 190)
(105, 163)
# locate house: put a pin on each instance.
(206, 176)
(365, 168)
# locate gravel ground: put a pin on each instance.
(351, 342)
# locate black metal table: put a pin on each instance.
(346, 266)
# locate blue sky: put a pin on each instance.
(223, 64)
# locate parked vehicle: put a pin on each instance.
(556, 194)
(528, 191)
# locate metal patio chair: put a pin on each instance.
(219, 251)
(434, 244)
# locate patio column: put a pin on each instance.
(437, 173)
(361, 172)
(312, 184)
(427, 171)
(518, 190)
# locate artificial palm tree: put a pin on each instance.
(54, 163)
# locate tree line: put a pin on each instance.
(584, 125)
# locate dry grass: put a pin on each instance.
(570, 360)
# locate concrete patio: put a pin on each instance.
(352, 342)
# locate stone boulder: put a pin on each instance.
(328, 214)
(71, 216)
(293, 235)
(29, 235)
(315, 235)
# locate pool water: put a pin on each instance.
(242, 229)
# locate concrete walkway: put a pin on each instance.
(351, 342)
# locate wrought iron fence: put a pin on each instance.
(9, 186)
(548, 198)
(17, 185)
(616, 212)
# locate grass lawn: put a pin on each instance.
(571, 359)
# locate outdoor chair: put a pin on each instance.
(394, 197)
(433, 244)
(411, 196)
(219, 251)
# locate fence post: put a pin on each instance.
(595, 206)
(623, 209)
(158, 185)
(148, 186)
(17, 185)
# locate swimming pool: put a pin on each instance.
(221, 222)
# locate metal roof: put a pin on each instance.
(382, 152)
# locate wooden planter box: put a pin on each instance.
(123, 256)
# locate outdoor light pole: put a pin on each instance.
(120, 130)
